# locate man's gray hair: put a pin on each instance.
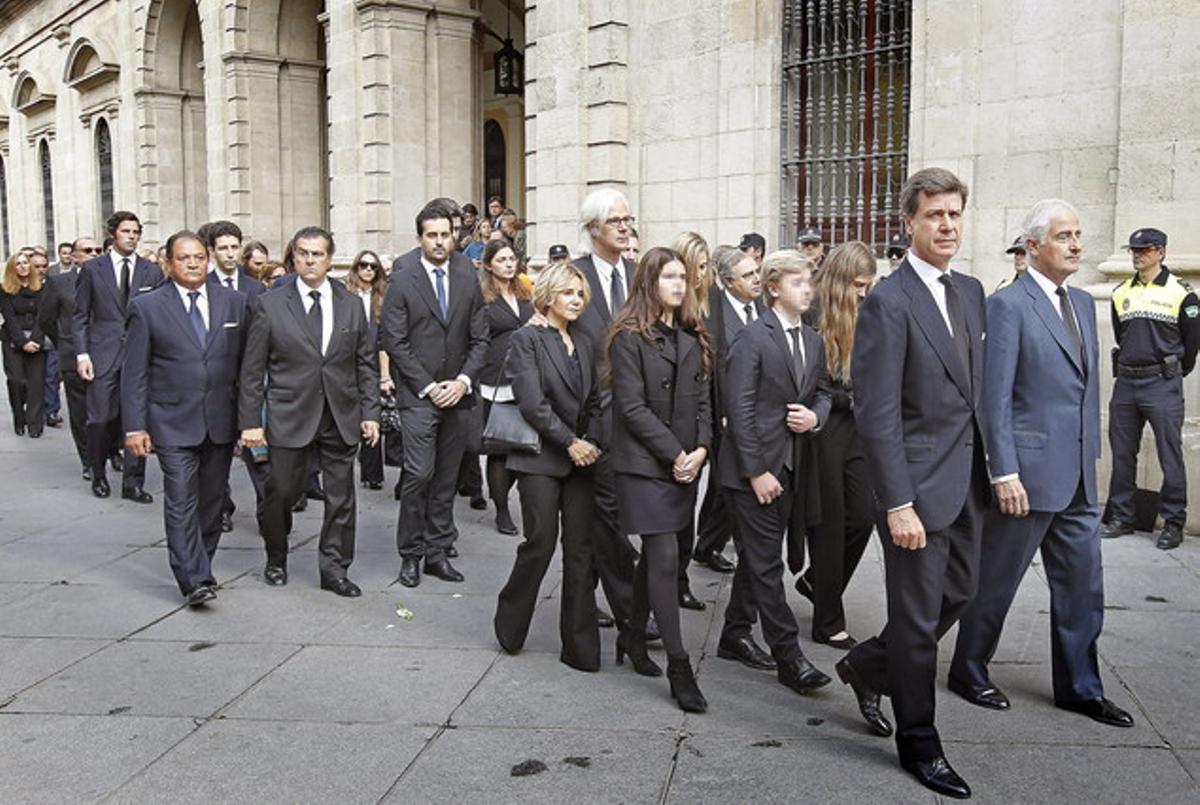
(594, 210)
(729, 259)
(1036, 225)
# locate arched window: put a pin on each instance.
(494, 157)
(4, 247)
(47, 192)
(104, 168)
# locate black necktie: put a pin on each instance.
(958, 323)
(314, 318)
(124, 280)
(229, 283)
(1068, 317)
(749, 308)
(797, 354)
(617, 291)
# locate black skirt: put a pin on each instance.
(654, 505)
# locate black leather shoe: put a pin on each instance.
(275, 576)
(201, 595)
(300, 505)
(343, 587)
(689, 601)
(410, 571)
(505, 524)
(53, 420)
(19, 429)
(868, 700)
(1115, 529)
(844, 643)
(117, 461)
(1170, 536)
(604, 620)
(226, 522)
(442, 569)
(745, 651)
(451, 552)
(87, 473)
(990, 697)
(35, 433)
(478, 502)
(137, 495)
(801, 675)
(315, 494)
(100, 488)
(716, 562)
(803, 587)
(373, 484)
(1101, 710)
(936, 775)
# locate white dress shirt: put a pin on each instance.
(365, 296)
(429, 269)
(931, 275)
(201, 301)
(739, 307)
(326, 291)
(224, 278)
(788, 325)
(605, 271)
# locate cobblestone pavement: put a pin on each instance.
(110, 689)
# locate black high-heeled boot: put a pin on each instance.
(633, 643)
(504, 521)
(684, 689)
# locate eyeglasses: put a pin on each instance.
(616, 223)
(371, 266)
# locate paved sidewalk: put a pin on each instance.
(109, 689)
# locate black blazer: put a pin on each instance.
(723, 325)
(553, 400)
(100, 312)
(299, 379)
(423, 348)
(502, 323)
(593, 322)
(58, 313)
(760, 383)
(247, 286)
(917, 410)
(662, 401)
(22, 311)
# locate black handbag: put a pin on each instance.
(389, 413)
(506, 431)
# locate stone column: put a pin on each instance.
(451, 169)
(251, 139)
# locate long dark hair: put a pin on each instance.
(488, 283)
(378, 285)
(643, 309)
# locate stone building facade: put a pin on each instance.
(278, 113)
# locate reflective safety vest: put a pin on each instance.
(1153, 301)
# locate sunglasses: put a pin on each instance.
(372, 266)
(93, 250)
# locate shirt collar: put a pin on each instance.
(738, 304)
(783, 319)
(430, 267)
(325, 289)
(603, 267)
(183, 292)
(1160, 280)
(222, 276)
(117, 257)
(929, 273)
(1045, 283)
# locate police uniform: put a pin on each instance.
(1018, 245)
(1157, 327)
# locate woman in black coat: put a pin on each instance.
(24, 343)
(553, 377)
(367, 281)
(507, 309)
(661, 366)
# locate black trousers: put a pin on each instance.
(26, 374)
(847, 518)
(1136, 401)
(434, 439)
(758, 580)
(76, 392)
(104, 433)
(544, 501)
(289, 471)
(616, 558)
(193, 487)
(51, 399)
(927, 591)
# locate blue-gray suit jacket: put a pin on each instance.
(1042, 408)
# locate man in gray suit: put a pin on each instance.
(311, 341)
(1042, 414)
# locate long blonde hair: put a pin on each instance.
(694, 253)
(12, 283)
(838, 302)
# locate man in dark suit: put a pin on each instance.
(776, 392)
(732, 305)
(1041, 393)
(434, 330)
(918, 384)
(179, 399)
(58, 314)
(606, 225)
(311, 342)
(105, 286)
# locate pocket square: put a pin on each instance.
(230, 324)
(145, 288)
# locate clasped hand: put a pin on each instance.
(583, 453)
(447, 393)
(800, 419)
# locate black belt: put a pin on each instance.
(1152, 370)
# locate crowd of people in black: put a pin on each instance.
(825, 405)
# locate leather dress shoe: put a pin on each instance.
(275, 576)
(137, 495)
(87, 472)
(1101, 710)
(478, 502)
(451, 552)
(343, 587)
(201, 595)
(604, 620)
(35, 432)
(19, 429)
(117, 461)
(803, 587)
(442, 569)
(410, 571)
(1115, 528)
(373, 484)
(226, 522)
(1170, 536)
(315, 494)
(801, 675)
(689, 601)
(936, 775)
(844, 643)
(991, 696)
(716, 562)
(100, 488)
(54, 420)
(868, 700)
(747, 652)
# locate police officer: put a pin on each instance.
(896, 249)
(810, 244)
(1017, 250)
(1156, 318)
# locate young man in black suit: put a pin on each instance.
(918, 408)
(311, 341)
(776, 393)
(105, 286)
(178, 399)
(435, 333)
